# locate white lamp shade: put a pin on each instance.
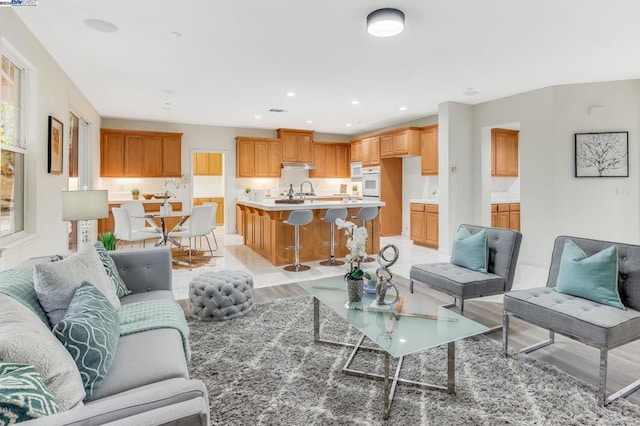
(385, 22)
(85, 205)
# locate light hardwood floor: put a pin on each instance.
(577, 359)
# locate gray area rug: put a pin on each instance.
(264, 369)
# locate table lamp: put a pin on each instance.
(85, 205)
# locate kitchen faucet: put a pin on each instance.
(301, 192)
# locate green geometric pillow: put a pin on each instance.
(18, 283)
(112, 270)
(90, 331)
(23, 395)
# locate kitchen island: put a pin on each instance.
(261, 225)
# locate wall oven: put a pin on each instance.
(371, 182)
(356, 170)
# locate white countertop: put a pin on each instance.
(270, 205)
(424, 201)
(143, 200)
(508, 200)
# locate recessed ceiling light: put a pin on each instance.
(355, 102)
(470, 92)
(385, 22)
(176, 34)
(291, 94)
(309, 121)
(348, 124)
(277, 110)
(257, 117)
(403, 108)
(100, 25)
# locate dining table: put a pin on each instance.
(165, 238)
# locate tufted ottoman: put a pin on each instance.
(222, 295)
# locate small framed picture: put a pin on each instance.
(55, 146)
(603, 154)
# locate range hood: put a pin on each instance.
(298, 166)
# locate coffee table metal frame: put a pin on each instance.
(389, 388)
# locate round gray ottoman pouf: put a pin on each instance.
(222, 295)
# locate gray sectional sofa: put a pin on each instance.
(148, 382)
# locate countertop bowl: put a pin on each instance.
(147, 196)
(161, 196)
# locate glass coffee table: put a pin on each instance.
(421, 325)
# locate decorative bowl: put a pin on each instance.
(147, 196)
(161, 196)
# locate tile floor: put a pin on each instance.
(239, 257)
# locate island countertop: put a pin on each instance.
(270, 205)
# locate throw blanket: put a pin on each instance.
(154, 314)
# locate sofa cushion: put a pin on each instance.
(90, 331)
(457, 281)
(592, 277)
(594, 322)
(144, 358)
(56, 282)
(470, 250)
(147, 295)
(23, 394)
(112, 270)
(18, 283)
(41, 349)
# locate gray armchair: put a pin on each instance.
(463, 283)
(601, 326)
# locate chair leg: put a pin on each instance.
(189, 250)
(505, 333)
(539, 345)
(602, 388)
(214, 240)
(411, 286)
(206, 237)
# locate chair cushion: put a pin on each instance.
(601, 325)
(592, 277)
(470, 250)
(457, 281)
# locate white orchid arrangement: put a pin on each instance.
(356, 243)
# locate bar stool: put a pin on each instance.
(365, 214)
(330, 217)
(296, 219)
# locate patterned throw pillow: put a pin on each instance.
(112, 270)
(90, 331)
(23, 395)
(18, 284)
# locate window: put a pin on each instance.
(12, 149)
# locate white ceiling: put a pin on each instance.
(237, 59)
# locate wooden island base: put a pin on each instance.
(265, 233)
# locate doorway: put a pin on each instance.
(78, 167)
(208, 180)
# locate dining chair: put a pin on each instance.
(199, 226)
(124, 232)
(214, 213)
(136, 214)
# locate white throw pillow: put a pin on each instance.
(56, 282)
(24, 338)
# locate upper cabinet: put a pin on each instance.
(429, 150)
(207, 164)
(331, 160)
(370, 151)
(126, 153)
(504, 153)
(400, 143)
(296, 145)
(258, 157)
(356, 150)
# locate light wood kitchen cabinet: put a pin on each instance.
(331, 160)
(386, 145)
(400, 143)
(429, 150)
(506, 216)
(356, 150)
(424, 224)
(240, 219)
(128, 153)
(258, 157)
(207, 164)
(108, 224)
(371, 151)
(219, 213)
(504, 153)
(296, 145)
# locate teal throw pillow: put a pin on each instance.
(23, 395)
(18, 283)
(470, 250)
(594, 277)
(89, 331)
(110, 266)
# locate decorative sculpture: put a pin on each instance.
(385, 276)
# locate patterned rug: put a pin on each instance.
(264, 369)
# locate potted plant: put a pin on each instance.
(354, 190)
(135, 193)
(108, 240)
(356, 243)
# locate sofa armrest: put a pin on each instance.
(150, 398)
(144, 269)
(194, 412)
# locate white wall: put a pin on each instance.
(53, 94)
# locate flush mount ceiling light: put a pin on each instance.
(100, 25)
(385, 22)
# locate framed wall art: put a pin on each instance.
(55, 146)
(604, 154)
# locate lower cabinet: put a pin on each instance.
(506, 216)
(424, 224)
(219, 212)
